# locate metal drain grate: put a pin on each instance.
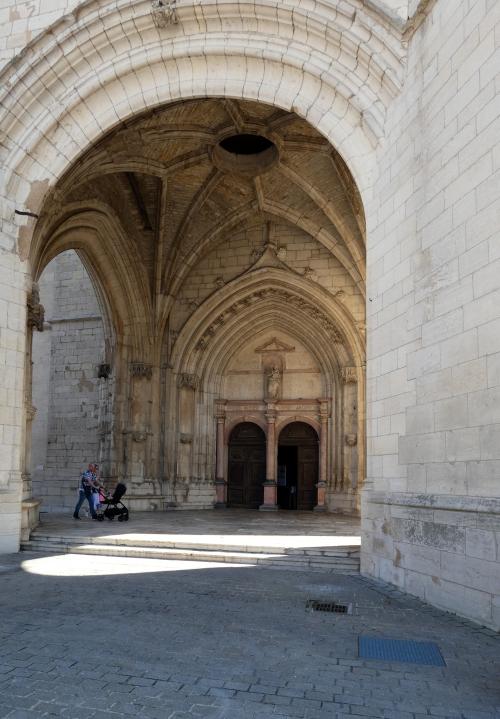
(316, 605)
(400, 650)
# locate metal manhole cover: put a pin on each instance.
(317, 605)
(400, 650)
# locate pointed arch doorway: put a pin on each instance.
(246, 466)
(298, 466)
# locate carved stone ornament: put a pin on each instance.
(141, 370)
(187, 380)
(164, 13)
(36, 311)
(30, 412)
(103, 371)
(278, 295)
(349, 374)
(351, 440)
(185, 439)
(139, 437)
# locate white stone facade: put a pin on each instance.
(413, 110)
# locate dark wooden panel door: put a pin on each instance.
(247, 466)
(307, 477)
(301, 491)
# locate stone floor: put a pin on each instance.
(98, 637)
(234, 527)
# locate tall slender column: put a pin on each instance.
(270, 485)
(323, 457)
(220, 482)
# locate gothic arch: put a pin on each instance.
(79, 88)
(280, 426)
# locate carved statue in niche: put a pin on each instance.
(274, 383)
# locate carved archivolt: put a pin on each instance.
(283, 297)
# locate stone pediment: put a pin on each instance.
(269, 258)
(274, 345)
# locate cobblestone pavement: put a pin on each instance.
(100, 637)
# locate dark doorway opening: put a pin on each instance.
(298, 463)
(246, 466)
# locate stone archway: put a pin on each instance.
(108, 94)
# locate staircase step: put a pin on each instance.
(344, 563)
(138, 541)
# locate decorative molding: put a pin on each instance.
(164, 13)
(191, 381)
(141, 370)
(274, 345)
(36, 311)
(139, 436)
(349, 375)
(286, 298)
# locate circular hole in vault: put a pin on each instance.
(246, 144)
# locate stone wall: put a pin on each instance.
(431, 517)
(298, 250)
(65, 385)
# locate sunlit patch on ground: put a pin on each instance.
(71, 565)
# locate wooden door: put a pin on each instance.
(247, 466)
(304, 439)
(307, 476)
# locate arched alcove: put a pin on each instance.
(71, 383)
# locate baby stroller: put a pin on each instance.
(113, 506)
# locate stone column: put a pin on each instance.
(323, 457)
(30, 506)
(220, 482)
(270, 485)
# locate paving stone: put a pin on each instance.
(235, 643)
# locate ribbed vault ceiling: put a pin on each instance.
(158, 176)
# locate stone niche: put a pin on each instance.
(248, 373)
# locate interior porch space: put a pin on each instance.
(221, 361)
(296, 540)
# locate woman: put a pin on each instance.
(85, 492)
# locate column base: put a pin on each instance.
(319, 508)
(220, 494)
(268, 508)
(30, 517)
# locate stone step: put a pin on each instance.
(344, 565)
(137, 541)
